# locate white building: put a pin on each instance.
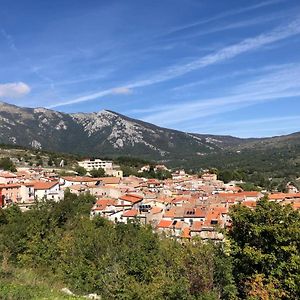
(48, 190)
(90, 164)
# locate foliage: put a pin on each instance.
(116, 261)
(81, 171)
(26, 284)
(97, 172)
(266, 250)
(248, 186)
(7, 165)
(158, 174)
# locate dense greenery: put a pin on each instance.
(7, 165)
(81, 171)
(266, 251)
(97, 172)
(61, 244)
(268, 167)
(116, 261)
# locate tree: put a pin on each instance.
(7, 165)
(266, 248)
(80, 170)
(50, 162)
(40, 162)
(97, 172)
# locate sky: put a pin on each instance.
(217, 67)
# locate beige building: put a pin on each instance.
(90, 164)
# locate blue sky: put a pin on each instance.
(219, 67)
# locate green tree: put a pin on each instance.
(266, 243)
(80, 170)
(7, 165)
(50, 162)
(97, 172)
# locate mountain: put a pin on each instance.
(104, 133)
(107, 133)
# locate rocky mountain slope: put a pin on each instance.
(102, 133)
(107, 133)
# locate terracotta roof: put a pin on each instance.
(197, 226)
(131, 198)
(249, 203)
(101, 204)
(164, 224)
(79, 178)
(186, 233)
(240, 194)
(78, 187)
(156, 210)
(109, 180)
(278, 196)
(10, 185)
(170, 213)
(296, 205)
(177, 224)
(250, 194)
(194, 213)
(40, 185)
(153, 181)
(130, 213)
(7, 175)
(164, 200)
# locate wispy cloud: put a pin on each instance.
(226, 53)
(270, 87)
(14, 89)
(12, 45)
(233, 25)
(233, 74)
(243, 125)
(122, 91)
(222, 16)
(9, 39)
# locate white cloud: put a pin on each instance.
(122, 91)
(14, 89)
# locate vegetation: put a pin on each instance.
(7, 165)
(81, 171)
(61, 244)
(97, 172)
(58, 240)
(26, 284)
(266, 251)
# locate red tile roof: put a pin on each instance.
(186, 233)
(164, 224)
(40, 185)
(130, 213)
(79, 179)
(109, 180)
(156, 210)
(101, 204)
(131, 198)
(197, 226)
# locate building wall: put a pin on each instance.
(96, 164)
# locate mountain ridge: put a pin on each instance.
(110, 133)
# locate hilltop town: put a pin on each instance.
(182, 206)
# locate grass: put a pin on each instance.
(26, 284)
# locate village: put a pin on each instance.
(181, 207)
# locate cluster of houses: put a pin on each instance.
(181, 207)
